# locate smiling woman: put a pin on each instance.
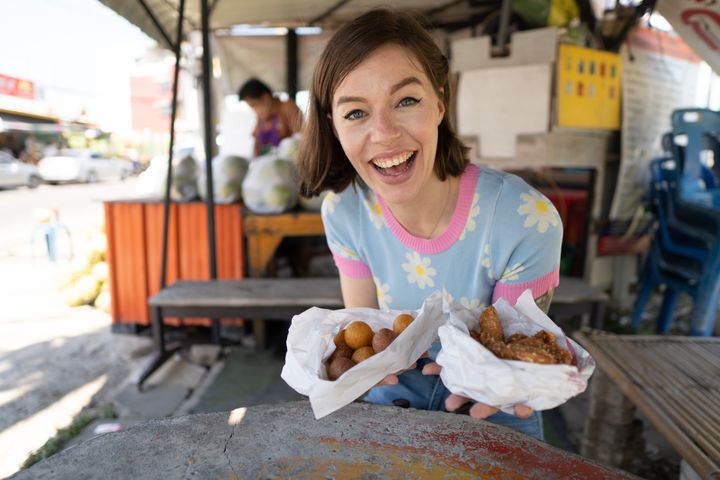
(408, 213)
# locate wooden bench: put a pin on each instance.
(673, 380)
(575, 296)
(265, 298)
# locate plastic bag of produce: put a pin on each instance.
(228, 174)
(289, 147)
(184, 179)
(151, 182)
(270, 186)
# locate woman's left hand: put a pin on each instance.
(477, 410)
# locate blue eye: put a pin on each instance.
(354, 115)
(409, 101)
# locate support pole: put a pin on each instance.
(292, 63)
(162, 353)
(209, 135)
(173, 115)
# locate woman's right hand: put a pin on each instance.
(478, 410)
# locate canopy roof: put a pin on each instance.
(285, 13)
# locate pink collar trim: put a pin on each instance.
(468, 185)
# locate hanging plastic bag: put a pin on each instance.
(228, 174)
(270, 185)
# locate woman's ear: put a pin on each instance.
(441, 108)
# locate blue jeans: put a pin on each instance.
(427, 392)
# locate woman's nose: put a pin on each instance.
(384, 127)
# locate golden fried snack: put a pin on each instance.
(401, 322)
(528, 352)
(490, 328)
(540, 348)
(358, 334)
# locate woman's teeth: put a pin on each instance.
(391, 162)
(396, 165)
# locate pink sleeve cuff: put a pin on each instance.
(352, 268)
(539, 286)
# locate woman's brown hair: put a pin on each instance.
(322, 163)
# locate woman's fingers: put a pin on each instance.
(453, 402)
(480, 411)
(389, 380)
(523, 411)
(431, 369)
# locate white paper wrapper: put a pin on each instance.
(310, 342)
(471, 370)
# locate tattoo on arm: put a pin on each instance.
(544, 300)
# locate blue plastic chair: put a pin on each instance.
(701, 128)
(685, 252)
(676, 236)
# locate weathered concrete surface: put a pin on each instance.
(285, 441)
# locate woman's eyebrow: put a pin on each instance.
(404, 82)
(349, 99)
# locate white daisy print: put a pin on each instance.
(383, 294)
(470, 303)
(486, 261)
(331, 199)
(512, 272)
(344, 251)
(470, 225)
(375, 212)
(539, 211)
(419, 270)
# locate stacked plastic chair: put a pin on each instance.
(684, 195)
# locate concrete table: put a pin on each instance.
(285, 441)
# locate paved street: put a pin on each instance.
(53, 358)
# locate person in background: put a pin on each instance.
(275, 119)
(408, 214)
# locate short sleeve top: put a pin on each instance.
(504, 238)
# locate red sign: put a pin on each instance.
(16, 87)
(698, 23)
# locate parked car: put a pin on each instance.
(82, 166)
(14, 173)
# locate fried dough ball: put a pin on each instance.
(339, 338)
(341, 350)
(362, 353)
(339, 366)
(382, 339)
(358, 334)
(401, 322)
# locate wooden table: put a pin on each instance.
(675, 382)
(285, 441)
(264, 233)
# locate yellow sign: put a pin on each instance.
(588, 88)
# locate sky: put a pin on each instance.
(79, 50)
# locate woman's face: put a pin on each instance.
(385, 114)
